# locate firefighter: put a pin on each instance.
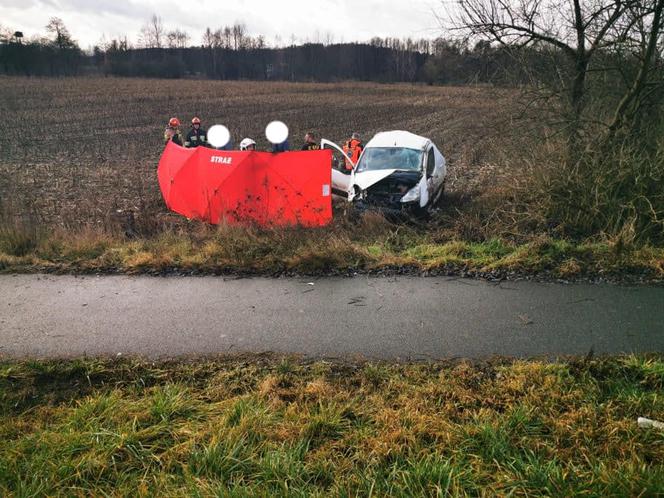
(172, 132)
(196, 136)
(247, 144)
(310, 142)
(353, 148)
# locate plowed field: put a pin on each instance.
(75, 151)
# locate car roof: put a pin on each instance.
(398, 138)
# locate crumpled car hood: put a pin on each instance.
(366, 179)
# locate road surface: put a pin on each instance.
(375, 317)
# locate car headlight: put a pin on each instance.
(412, 195)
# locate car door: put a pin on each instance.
(341, 177)
(435, 175)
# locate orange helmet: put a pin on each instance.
(174, 122)
(196, 121)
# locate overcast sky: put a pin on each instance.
(346, 20)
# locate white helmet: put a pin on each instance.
(246, 143)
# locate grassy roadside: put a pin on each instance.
(267, 426)
(371, 245)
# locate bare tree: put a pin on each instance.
(577, 29)
(239, 32)
(157, 30)
(177, 39)
(227, 37)
(646, 44)
(183, 39)
(218, 38)
(213, 39)
(171, 39)
(208, 38)
(62, 37)
(152, 33)
(6, 34)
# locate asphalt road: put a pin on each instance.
(386, 318)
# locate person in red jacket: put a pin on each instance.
(353, 148)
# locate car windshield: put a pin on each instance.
(377, 158)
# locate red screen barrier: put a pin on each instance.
(289, 188)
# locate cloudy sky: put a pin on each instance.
(345, 20)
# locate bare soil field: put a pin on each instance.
(74, 151)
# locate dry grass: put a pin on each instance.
(75, 151)
(264, 426)
(370, 245)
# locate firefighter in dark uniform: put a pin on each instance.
(197, 135)
(172, 132)
(310, 142)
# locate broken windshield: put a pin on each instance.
(377, 158)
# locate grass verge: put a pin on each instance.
(373, 245)
(268, 426)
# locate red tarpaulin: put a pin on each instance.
(289, 188)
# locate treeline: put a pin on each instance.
(231, 53)
(447, 63)
(309, 62)
(58, 55)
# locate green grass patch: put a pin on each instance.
(268, 426)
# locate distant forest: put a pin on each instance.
(230, 53)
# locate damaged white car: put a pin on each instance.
(397, 172)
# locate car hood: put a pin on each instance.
(366, 179)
